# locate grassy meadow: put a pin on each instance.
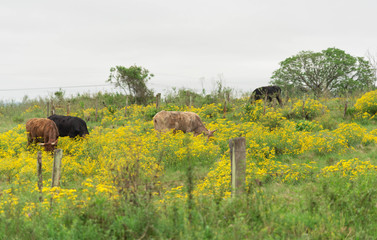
(311, 171)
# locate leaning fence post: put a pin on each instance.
(40, 179)
(56, 170)
(238, 164)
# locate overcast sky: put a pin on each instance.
(68, 44)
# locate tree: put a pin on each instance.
(331, 71)
(133, 81)
(373, 62)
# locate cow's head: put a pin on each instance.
(84, 134)
(210, 133)
(49, 146)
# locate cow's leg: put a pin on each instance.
(279, 100)
(29, 139)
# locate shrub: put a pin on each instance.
(309, 126)
(272, 120)
(308, 109)
(352, 133)
(366, 105)
(150, 111)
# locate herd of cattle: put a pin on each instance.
(46, 131)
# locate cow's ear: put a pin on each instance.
(210, 133)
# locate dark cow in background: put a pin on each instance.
(269, 91)
(44, 131)
(184, 121)
(70, 126)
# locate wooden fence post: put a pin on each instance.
(40, 179)
(345, 109)
(158, 97)
(238, 164)
(68, 108)
(48, 109)
(56, 170)
(52, 108)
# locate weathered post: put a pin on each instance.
(345, 109)
(238, 164)
(68, 108)
(40, 179)
(56, 170)
(190, 101)
(224, 110)
(48, 109)
(52, 108)
(158, 97)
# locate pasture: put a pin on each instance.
(311, 173)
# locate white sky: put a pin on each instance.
(51, 44)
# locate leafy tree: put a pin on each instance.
(59, 94)
(133, 81)
(331, 70)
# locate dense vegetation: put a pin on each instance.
(311, 171)
(329, 72)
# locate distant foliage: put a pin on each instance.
(329, 71)
(132, 80)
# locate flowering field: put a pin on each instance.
(124, 161)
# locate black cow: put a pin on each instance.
(70, 126)
(269, 91)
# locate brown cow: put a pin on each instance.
(184, 121)
(44, 131)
